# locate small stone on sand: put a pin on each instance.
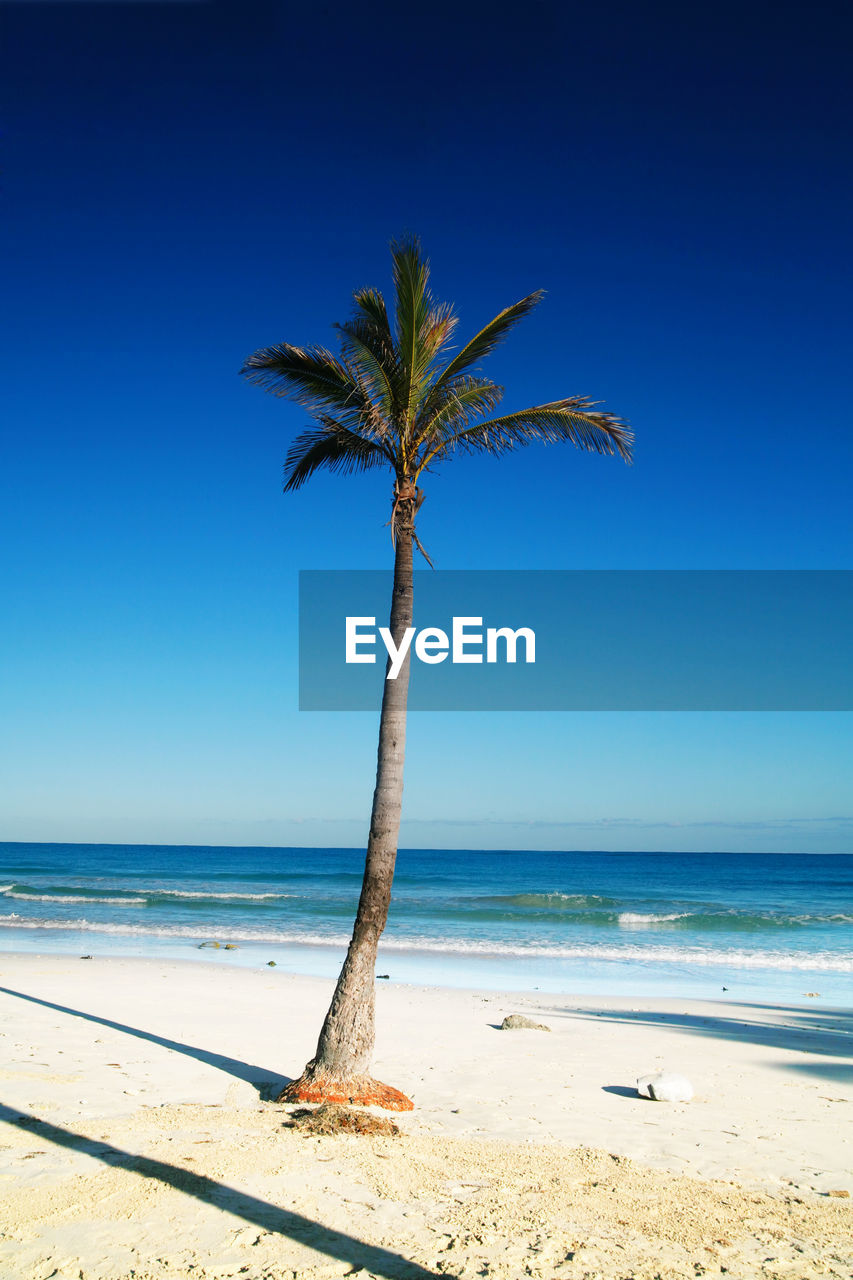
(517, 1022)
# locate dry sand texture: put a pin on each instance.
(137, 1141)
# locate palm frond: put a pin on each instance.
(440, 324)
(367, 346)
(422, 328)
(312, 376)
(367, 417)
(574, 421)
(484, 342)
(370, 304)
(454, 406)
(332, 446)
(411, 278)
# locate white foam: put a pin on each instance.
(77, 897)
(633, 918)
(626, 953)
(140, 897)
(193, 893)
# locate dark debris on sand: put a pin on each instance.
(329, 1119)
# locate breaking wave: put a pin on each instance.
(553, 901)
(135, 897)
(77, 897)
(639, 918)
(218, 897)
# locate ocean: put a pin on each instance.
(708, 925)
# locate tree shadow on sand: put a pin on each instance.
(824, 1033)
(268, 1083)
(269, 1217)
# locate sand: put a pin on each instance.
(138, 1140)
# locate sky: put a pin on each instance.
(186, 182)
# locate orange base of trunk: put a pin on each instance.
(363, 1092)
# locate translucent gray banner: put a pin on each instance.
(611, 640)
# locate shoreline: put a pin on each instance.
(161, 1058)
(588, 974)
(761, 928)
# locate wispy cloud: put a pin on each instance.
(643, 824)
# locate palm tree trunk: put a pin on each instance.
(339, 1071)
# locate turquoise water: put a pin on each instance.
(763, 926)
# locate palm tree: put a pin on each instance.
(389, 400)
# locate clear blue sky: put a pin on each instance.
(185, 182)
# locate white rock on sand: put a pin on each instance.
(665, 1086)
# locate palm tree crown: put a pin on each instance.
(391, 397)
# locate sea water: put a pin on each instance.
(713, 925)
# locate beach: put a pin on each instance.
(140, 1139)
(426, 840)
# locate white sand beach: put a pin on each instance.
(138, 1140)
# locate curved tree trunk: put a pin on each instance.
(339, 1071)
